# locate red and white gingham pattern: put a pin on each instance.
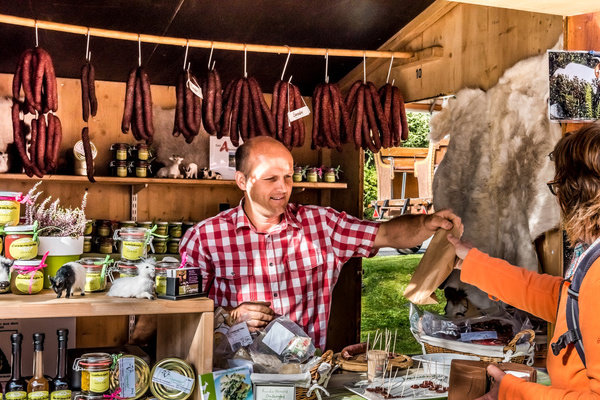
(294, 266)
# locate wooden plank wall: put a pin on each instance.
(479, 44)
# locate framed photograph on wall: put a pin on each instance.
(574, 83)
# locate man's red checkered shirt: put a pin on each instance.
(294, 266)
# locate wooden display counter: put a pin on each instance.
(184, 328)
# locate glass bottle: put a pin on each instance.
(16, 387)
(61, 389)
(38, 386)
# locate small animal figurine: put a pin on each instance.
(171, 171)
(5, 265)
(4, 167)
(140, 286)
(70, 277)
(206, 173)
(191, 171)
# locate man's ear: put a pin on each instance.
(240, 179)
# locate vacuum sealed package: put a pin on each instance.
(284, 339)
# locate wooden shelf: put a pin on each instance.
(46, 305)
(111, 180)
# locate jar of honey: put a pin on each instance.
(95, 372)
(19, 242)
(27, 277)
(119, 151)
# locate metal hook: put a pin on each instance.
(389, 69)
(36, 34)
(139, 50)
(245, 59)
(326, 65)
(87, 47)
(212, 47)
(187, 46)
(364, 67)
(286, 62)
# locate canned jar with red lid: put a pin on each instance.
(95, 372)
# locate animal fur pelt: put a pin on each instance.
(495, 171)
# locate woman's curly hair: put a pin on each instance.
(577, 160)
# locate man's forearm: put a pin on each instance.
(404, 231)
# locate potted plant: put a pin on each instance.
(60, 230)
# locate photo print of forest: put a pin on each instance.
(574, 86)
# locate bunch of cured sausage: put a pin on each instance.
(331, 122)
(137, 113)
(286, 98)
(212, 105)
(246, 113)
(379, 117)
(89, 105)
(35, 74)
(188, 111)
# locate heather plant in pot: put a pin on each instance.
(60, 230)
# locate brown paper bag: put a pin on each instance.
(435, 266)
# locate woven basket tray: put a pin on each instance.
(314, 375)
(512, 352)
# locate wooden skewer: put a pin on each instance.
(207, 44)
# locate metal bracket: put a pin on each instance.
(135, 189)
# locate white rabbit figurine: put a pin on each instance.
(140, 286)
(171, 171)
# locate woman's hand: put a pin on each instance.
(497, 374)
(460, 247)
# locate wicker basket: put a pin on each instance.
(314, 375)
(512, 352)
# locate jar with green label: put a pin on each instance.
(173, 246)
(162, 228)
(95, 372)
(133, 242)
(329, 175)
(10, 208)
(312, 175)
(89, 227)
(141, 152)
(19, 243)
(119, 168)
(161, 275)
(87, 244)
(298, 174)
(160, 245)
(27, 277)
(94, 279)
(175, 229)
(127, 269)
(119, 151)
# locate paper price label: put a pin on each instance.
(239, 336)
(127, 377)
(172, 380)
(299, 113)
(194, 87)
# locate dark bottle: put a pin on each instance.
(38, 387)
(16, 387)
(61, 388)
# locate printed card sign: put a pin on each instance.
(222, 156)
(127, 377)
(299, 113)
(173, 380)
(229, 384)
(239, 336)
(275, 392)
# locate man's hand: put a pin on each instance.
(498, 375)
(460, 247)
(445, 219)
(256, 314)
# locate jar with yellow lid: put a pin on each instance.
(19, 243)
(10, 207)
(95, 372)
(160, 280)
(27, 277)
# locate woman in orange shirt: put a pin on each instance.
(577, 189)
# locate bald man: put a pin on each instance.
(267, 257)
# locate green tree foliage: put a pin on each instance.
(588, 102)
(418, 127)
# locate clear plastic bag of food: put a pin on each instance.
(284, 339)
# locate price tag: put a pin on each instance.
(194, 86)
(299, 113)
(172, 380)
(239, 336)
(127, 377)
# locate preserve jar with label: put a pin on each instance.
(103, 227)
(105, 245)
(87, 244)
(173, 246)
(329, 175)
(134, 242)
(120, 151)
(10, 207)
(95, 273)
(141, 168)
(162, 228)
(298, 174)
(20, 242)
(160, 281)
(175, 229)
(141, 152)
(160, 245)
(95, 372)
(127, 269)
(312, 175)
(27, 277)
(119, 168)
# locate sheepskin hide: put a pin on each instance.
(495, 171)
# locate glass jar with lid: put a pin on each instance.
(162, 228)
(141, 152)
(19, 243)
(95, 372)
(141, 168)
(298, 174)
(27, 277)
(329, 175)
(175, 229)
(173, 246)
(103, 227)
(120, 151)
(312, 175)
(160, 279)
(160, 245)
(87, 244)
(10, 204)
(127, 269)
(95, 279)
(105, 245)
(89, 227)
(134, 242)
(119, 168)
